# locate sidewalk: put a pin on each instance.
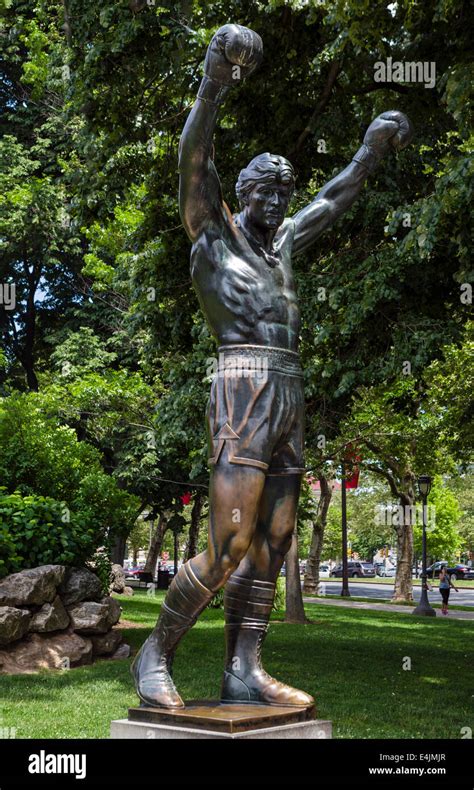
(386, 607)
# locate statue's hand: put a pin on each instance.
(391, 129)
(233, 46)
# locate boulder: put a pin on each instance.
(80, 584)
(34, 586)
(117, 579)
(127, 591)
(91, 617)
(105, 644)
(45, 651)
(13, 624)
(122, 652)
(51, 617)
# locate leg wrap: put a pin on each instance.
(185, 600)
(248, 605)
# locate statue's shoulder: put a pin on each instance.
(208, 249)
(286, 232)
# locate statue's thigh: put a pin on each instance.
(235, 492)
(276, 521)
(277, 512)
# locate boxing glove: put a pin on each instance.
(391, 130)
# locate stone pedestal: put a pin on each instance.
(209, 719)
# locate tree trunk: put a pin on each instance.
(311, 578)
(294, 598)
(403, 587)
(156, 542)
(27, 355)
(192, 546)
(118, 551)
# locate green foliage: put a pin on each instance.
(139, 537)
(39, 455)
(81, 353)
(218, 600)
(279, 601)
(443, 539)
(93, 101)
(463, 489)
(450, 387)
(101, 565)
(42, 458)
(38, 530)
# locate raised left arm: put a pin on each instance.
(391, 130)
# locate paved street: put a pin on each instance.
(454, 614)
(361, 590)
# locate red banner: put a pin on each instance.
(352, 460)
(353, 480)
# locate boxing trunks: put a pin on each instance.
(256, 409)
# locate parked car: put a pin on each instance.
(324, 571)
(385, 570)
(132, 572)
(359, 569)
(455, 572)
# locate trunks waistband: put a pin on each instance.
(259, 359)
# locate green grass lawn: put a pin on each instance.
(350, 660)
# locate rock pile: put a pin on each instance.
(53, 617)
(117, 582)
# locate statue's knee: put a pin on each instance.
(281, 546)
(234, 554)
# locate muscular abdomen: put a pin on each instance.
(243, 298)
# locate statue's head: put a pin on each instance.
(264, 189)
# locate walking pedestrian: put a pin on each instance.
(445, 585)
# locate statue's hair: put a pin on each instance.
(264, 169)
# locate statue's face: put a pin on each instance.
(267, 205)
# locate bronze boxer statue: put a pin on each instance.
(241, 270)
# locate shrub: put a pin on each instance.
(37, 530)
(279, 602)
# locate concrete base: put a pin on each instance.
(125, 729)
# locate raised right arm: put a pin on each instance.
(233, 53)
(200, 197)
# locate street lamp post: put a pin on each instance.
(345, 570)
(424, 608)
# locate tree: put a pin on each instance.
(394, 433)
(442, 536)
(311, 577)
(157, 533)
(294, 608)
